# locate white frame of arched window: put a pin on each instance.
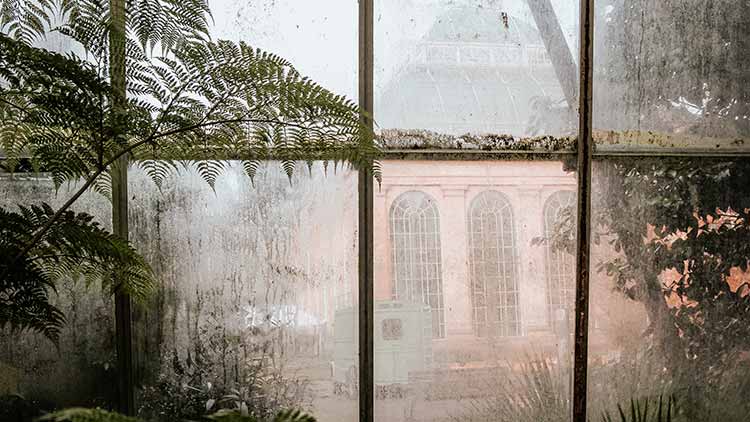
(559, 264)
(493, 265)
(414, 227)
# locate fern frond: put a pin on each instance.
(293, 416)
(191, 99)
(210, 170)
(75, 246)
(86, 415)
(243, 103)
(26, 21)
(251, 169)
(158, 170)
(233, 415)
(226, 415)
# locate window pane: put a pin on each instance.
(424, 284)
(559, 209)
(82, 370)
(669, 288)
(319, 38)
(476, 66)
(483, 328)
(675, 68)
(258, 284)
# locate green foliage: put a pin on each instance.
(51, 106)
(16, 408)
(216, 374)
(153, 22)
(689, 204)
(238, 416)
(649, 85)
(99, 415)
(76, 246)
(190, 102)
(207, 102)
(684, 215)
(535, 391)
(86, 415)
(689, 218)
(661, 409)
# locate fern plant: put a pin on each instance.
(98, 415)
(79, 414)
(181, 100)
(75, 246)
(282, 416)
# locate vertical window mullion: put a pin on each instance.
(583, 244)
(365, 195)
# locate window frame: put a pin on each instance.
(618, 144)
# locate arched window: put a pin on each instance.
(492, 258)
(415, 240)
(560, 264)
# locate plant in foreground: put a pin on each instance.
(99, 415)
(661, 409)
(158, 92)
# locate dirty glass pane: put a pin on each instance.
(675, 68)
(318, 37)
(466, 66)
(35, 376)
(670, 295)
(464, 329)
(256, 306)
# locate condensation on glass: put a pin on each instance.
(257, 294)
(669, 286)
(668, 308)
(560, 263)
(471, 67)
(494, 291)
(79, 371)
(672, 68)
(319, 38)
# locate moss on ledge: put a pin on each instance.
(416, 140)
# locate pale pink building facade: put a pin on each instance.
(542, 280)
(454, 187)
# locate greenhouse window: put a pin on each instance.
(553, 224)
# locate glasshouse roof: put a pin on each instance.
(474, 24)
(488, 77)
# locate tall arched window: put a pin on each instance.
(415, 240)
(560, 264)
(492, 258)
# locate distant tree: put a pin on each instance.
(678, 67)
(681, 232)
(679, 225)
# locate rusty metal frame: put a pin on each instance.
(583, 244)
(627, 145)
(123, 308)
(365, 210)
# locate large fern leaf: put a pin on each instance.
(74, 247)
(77, 414)
(190, 99)
(234, 415)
